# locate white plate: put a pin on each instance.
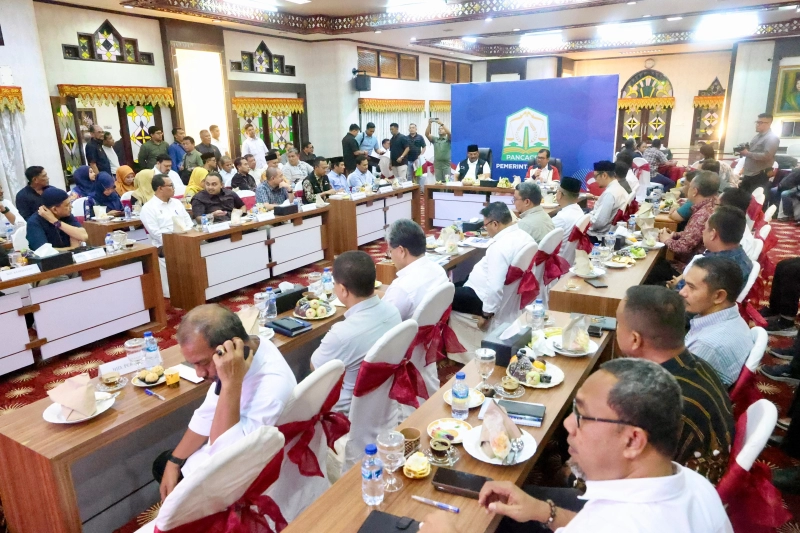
(612, 264)
(475, 399)
(556, 378)
(138, 383)
(472, 445)
(441, 250)
(656, 246)
(104, 402)
(595, 273)
(265, 332)
(555, 342)
(550, 206)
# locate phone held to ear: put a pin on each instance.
(218, 382)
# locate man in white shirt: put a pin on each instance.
(416, 274)
(622, 434)
(612, 200)
(482, 293)
(366, 320)
(295, 170)
(251, 164)
(254, 382)
(473, 166)
(361, 176)
(567, 196)
(108, 149)
(157, 213)
(164, 166)
(216, 141)
(8, 212)
(255, 146)
(227, 170)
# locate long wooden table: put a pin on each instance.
(341, 510)
(97, 230)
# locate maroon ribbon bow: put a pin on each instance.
(582, 239)
(555, 266)
(528, 286)
(406, 386)
(619, 217)
(624, 214)
(438, 339)
(247, 514)
(749, 312)
(754, 211)
(335, 425)
(637, 169)
(744, 393)
(751, 500)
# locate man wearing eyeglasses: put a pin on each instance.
(622, 436)
(759, 156)
(157, 214)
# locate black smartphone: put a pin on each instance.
(218, 382)
(595, 331)
(596, 283)
(460, 483)
(524, 413)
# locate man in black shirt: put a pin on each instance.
(351, 149)
(95, 156)
(416, 147)
(398, 152)
(242, 180)
(215, 200)
(53, 223)
(205, 146)
(307, 153)
(29, 198)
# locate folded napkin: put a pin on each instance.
(45, 250)
(575, 336)
(583, 267)
(497, 432)
(236, 216)
(99, 211)
(285, 286)
(76, 396)
(320, 202)
(179, 226)
(249, 318)
(646, 222)
(549, 199)
(542, 347)
(646, 210)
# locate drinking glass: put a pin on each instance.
(119, 239)
(134, 350)
(391, 450)
(486, 360)
(14, 259)
(610, 241)
(260, 301)
(315, 283)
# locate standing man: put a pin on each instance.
(541, 170)
(416, 147)
(95, 156)
(164, 166)
(473, 166)
(307, 153)
(368, 143)
(215, 140)
(119, 149)
(441, 150)
(361, 176)
(398, 150)
(151, 149)
(336, 176)
(567, 196)
(175, 150)
(227, 170)
(759, 156)
(612, 200)
(255, 146)
(350, 148)
(29, 198)
(242, 180)
(192, 158)
(205, 147)
(532, 218)
(108, 148)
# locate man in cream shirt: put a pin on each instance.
(255, 146)
(612, 200)
(567, 196)
(416, 274)
(158, 212)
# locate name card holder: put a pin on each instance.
(83, 257)
(358, 196)
(454, 184)
(308, 207)
(123, 366)
(219, 226)
(385, 189)
(407, 184)
(263, 217)
(21, 272)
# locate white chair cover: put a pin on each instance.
(631, 198)
(754, 251)
(764, 231)
(548, 244)
(375, 412)
(770, 212)
(245, 194)
(760, 339)
(126, 196)
(293, 491)
(568, 248)
(761, 419)
(220, 482)
(640, 169)
(751, 280)
(758, 194)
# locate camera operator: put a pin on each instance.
(759, 156)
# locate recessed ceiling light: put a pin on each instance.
(488, 19)
(451, 53)
(299, 1)
(469, 39)
(413, 39)
(516, 29)
(724, 26)
(673, 19)
(377, 31)
(631, 3)
(636, 32)
(254, 4)
(128, 7)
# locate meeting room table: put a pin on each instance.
(97, 230)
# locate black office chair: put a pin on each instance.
(486, 155)
(556, 162)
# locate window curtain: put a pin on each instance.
(382, 119)
(440, 109)
(12, 150)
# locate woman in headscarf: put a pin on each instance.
(144, 187)
(196, 181)
(125, 178)
(84, 181)
(105, 193)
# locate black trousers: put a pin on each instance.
(751, 183)
(786, 287)
(160, 464)
(466, 301)
(661, 273)
(563, 497)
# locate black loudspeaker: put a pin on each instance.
(363, 83)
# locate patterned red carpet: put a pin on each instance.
(31, 384)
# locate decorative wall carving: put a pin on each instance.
(106, 44)
(263, 61)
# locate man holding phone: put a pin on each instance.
(254, 384)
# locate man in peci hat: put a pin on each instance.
(337, 175)
(473, 166)
(567, 196)
(612, 200)
(53, 223)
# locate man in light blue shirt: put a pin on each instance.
(361, 177)
(717, 333)
(367, 140)
(337, 176)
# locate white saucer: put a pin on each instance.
(104, 402)
(595, 273)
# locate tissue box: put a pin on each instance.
(283, 210)
(488, 183)
(505, 348)
(286, 300)
(472, 226)
(59, 260)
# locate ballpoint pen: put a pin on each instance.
(157, 395)
(438, 505)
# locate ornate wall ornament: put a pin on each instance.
(262, 61)
(106, 44)
(11, 99)
(114, 96)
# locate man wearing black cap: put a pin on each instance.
(53, 223)
(336, 176)
(612, 200)
(567, 196)
(473, 166)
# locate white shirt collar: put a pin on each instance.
(638, 490)
(363, 306)
(412, 267)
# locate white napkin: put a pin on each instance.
(76, 396)
(20, 241)
(46, 250)
(475, 220)
(99, 211)
(583, 267)
(320, 202)
(510, 331)
(517, 181)
(178, 225)
(285, 203)
(549, 199)
(645, 211)
(236, 216)
(285, 286)
(646, 222)
(249, 318)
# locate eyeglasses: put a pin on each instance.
(762, 121)
(579, 416)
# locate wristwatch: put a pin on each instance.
(5, 210)
(179, 462)
(57, 224)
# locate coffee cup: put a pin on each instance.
(110, 378)
(411, 438)
(509, 384)
(440, 448)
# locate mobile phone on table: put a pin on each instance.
(596, 283)
(218, 382)
(460, 483)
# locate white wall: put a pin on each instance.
(295, 53)
(689, 73)
(750, 90)
(24, 57)
(539, 68)
(479, 72)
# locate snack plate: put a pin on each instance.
(104, 402)
(595, 273)
(556, 378)
(472, 445)
(139, 383)
(475, 398)
(555, 342)
(614, 264)
(102, 387)
(330, 314)
(449, 428)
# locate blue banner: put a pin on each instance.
(574, 118)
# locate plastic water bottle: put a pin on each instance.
(460, 225)
(538, 315)
(372, 485)
(109, 244)
(272, 308)
(152, 356)
(9, 231)
(298, 202)
(460, 397)
(595, 256)
(632, 224)
(204, 223)
(87, 209)
(127, 212)
(610, 240)
(327, 281)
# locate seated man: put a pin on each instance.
(532, 218)
(737, 197)
(256, 382)
(242, 180)
(680, 213)
(473, 166)
(8, 212)
(29, 198)
(53, 223)
(623, 434)
(164, 166)
(316, 184)
(336, 176)
(416, 274)
(275, 190)
(650, 325)
(255, 173)
(622, 171)
(366, 320)
(785, 195)
(717, 333)
(567, 196)
(158, 212)
(725, 171)
(361, 176)
(227, 169)
(294, 169)
(612, 200)
(215, 200)
(540, 168)
(209, 161)
(482, 293)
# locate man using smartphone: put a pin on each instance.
(255, 382)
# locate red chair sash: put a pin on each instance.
(754, 210)
(638, 169)
(335, 425)
(438, 339)
(528, 286)
(248, 513)
(555, 266)
(407, 384)
(752, 502)
(744, 393)
(582, 239)
(749, 312)
(619, 217)
(632, 208)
